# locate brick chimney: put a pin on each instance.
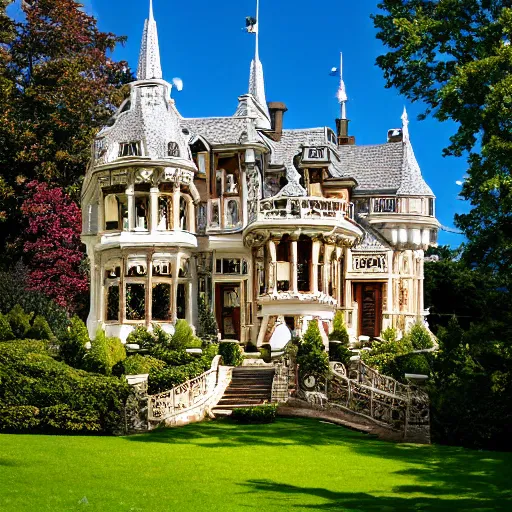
(277, 110)
(344, 139)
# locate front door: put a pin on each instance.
(369, 300)
(227, 309)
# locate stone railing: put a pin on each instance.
(382, 400)
(303, 208)
(191, 395)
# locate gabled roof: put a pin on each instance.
(221, 130)
(385, 168)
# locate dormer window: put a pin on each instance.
(173, 149)
(129, 149)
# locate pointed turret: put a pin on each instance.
(149, 58)
(254, 104)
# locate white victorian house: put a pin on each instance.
(270, 225)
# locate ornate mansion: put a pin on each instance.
(269, 225)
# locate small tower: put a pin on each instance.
(342, 123)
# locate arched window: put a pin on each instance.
(173, 149)
(183, 214)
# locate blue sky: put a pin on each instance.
(201, 41)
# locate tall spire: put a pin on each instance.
(149, 58)
(405, 125)
(256, 79)
(342, 92)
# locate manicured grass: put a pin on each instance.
(294, 464)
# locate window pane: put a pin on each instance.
(161, 301)
(113, 303)
(135, 301)
(181, 301)
(232, 266)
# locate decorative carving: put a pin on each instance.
(369, 263)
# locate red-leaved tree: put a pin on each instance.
(51, 243)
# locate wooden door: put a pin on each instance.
(369, 300)
(227, 309)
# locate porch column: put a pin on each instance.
(191, 216)
(272, 271)
(189, 303)
(175, 266)
(130, 195)
(149, 290)
(101, 213)
(176, 206)
(153, 208)
(315, 251)
(294, 267)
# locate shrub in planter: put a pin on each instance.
(266, 353)
(315, 362)
(6, 333)
(40, 330)
(251, 348)
(62, 418)
(183, 335)
(137, 364)
(72, 346)
(410, 363)
(339, 331)
(265, 413)
(339, 353)
(420, 337)
(389, 334)
(18, 418)
(141, 336)
(19, 321)
(231, 353)
(104, 353)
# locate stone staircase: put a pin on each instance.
(249, 386)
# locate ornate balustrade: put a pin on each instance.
(185, 396)
(303, 208)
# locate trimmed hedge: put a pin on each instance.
(137, 364)
(265, 413)
(231, 353)
(30, 377)
(21, 418)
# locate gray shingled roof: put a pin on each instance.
(384, 168)
(219, 130)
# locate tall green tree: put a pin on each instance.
(455, 56)
(58, 85)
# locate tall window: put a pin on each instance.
(130, 149)
(173, 149)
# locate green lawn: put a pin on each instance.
(294, 464)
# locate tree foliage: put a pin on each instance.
(52, 246)
(456, 57)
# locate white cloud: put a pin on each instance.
(460, 183)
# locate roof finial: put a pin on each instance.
(149, 58)
(342, 92)
(256, 79)
(405, 125)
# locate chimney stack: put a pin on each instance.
(277, 110)
(344, 139)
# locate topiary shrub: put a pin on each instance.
(19, 321)
(231, 353)
(266, 352)
(312, 358)
(389, 334)
(265, 413)
(19, 418)
(207, 329)
(72, 345)
(339, 330)
(250, 348)
(339, 353)
(137, 364)
(312, 337)
(6, 333)
(183, 335)
(104, 353)
(419, 337)
(40, 330)
(141, 336)
(62, 418)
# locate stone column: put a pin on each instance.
(174, 297)
(149, 286)
(130, 194)
(191, 216)
(314, 265)
(294, 267)
(153, 208)
(176, 206)
(272, 271)
(101, 213)
(189, 303)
